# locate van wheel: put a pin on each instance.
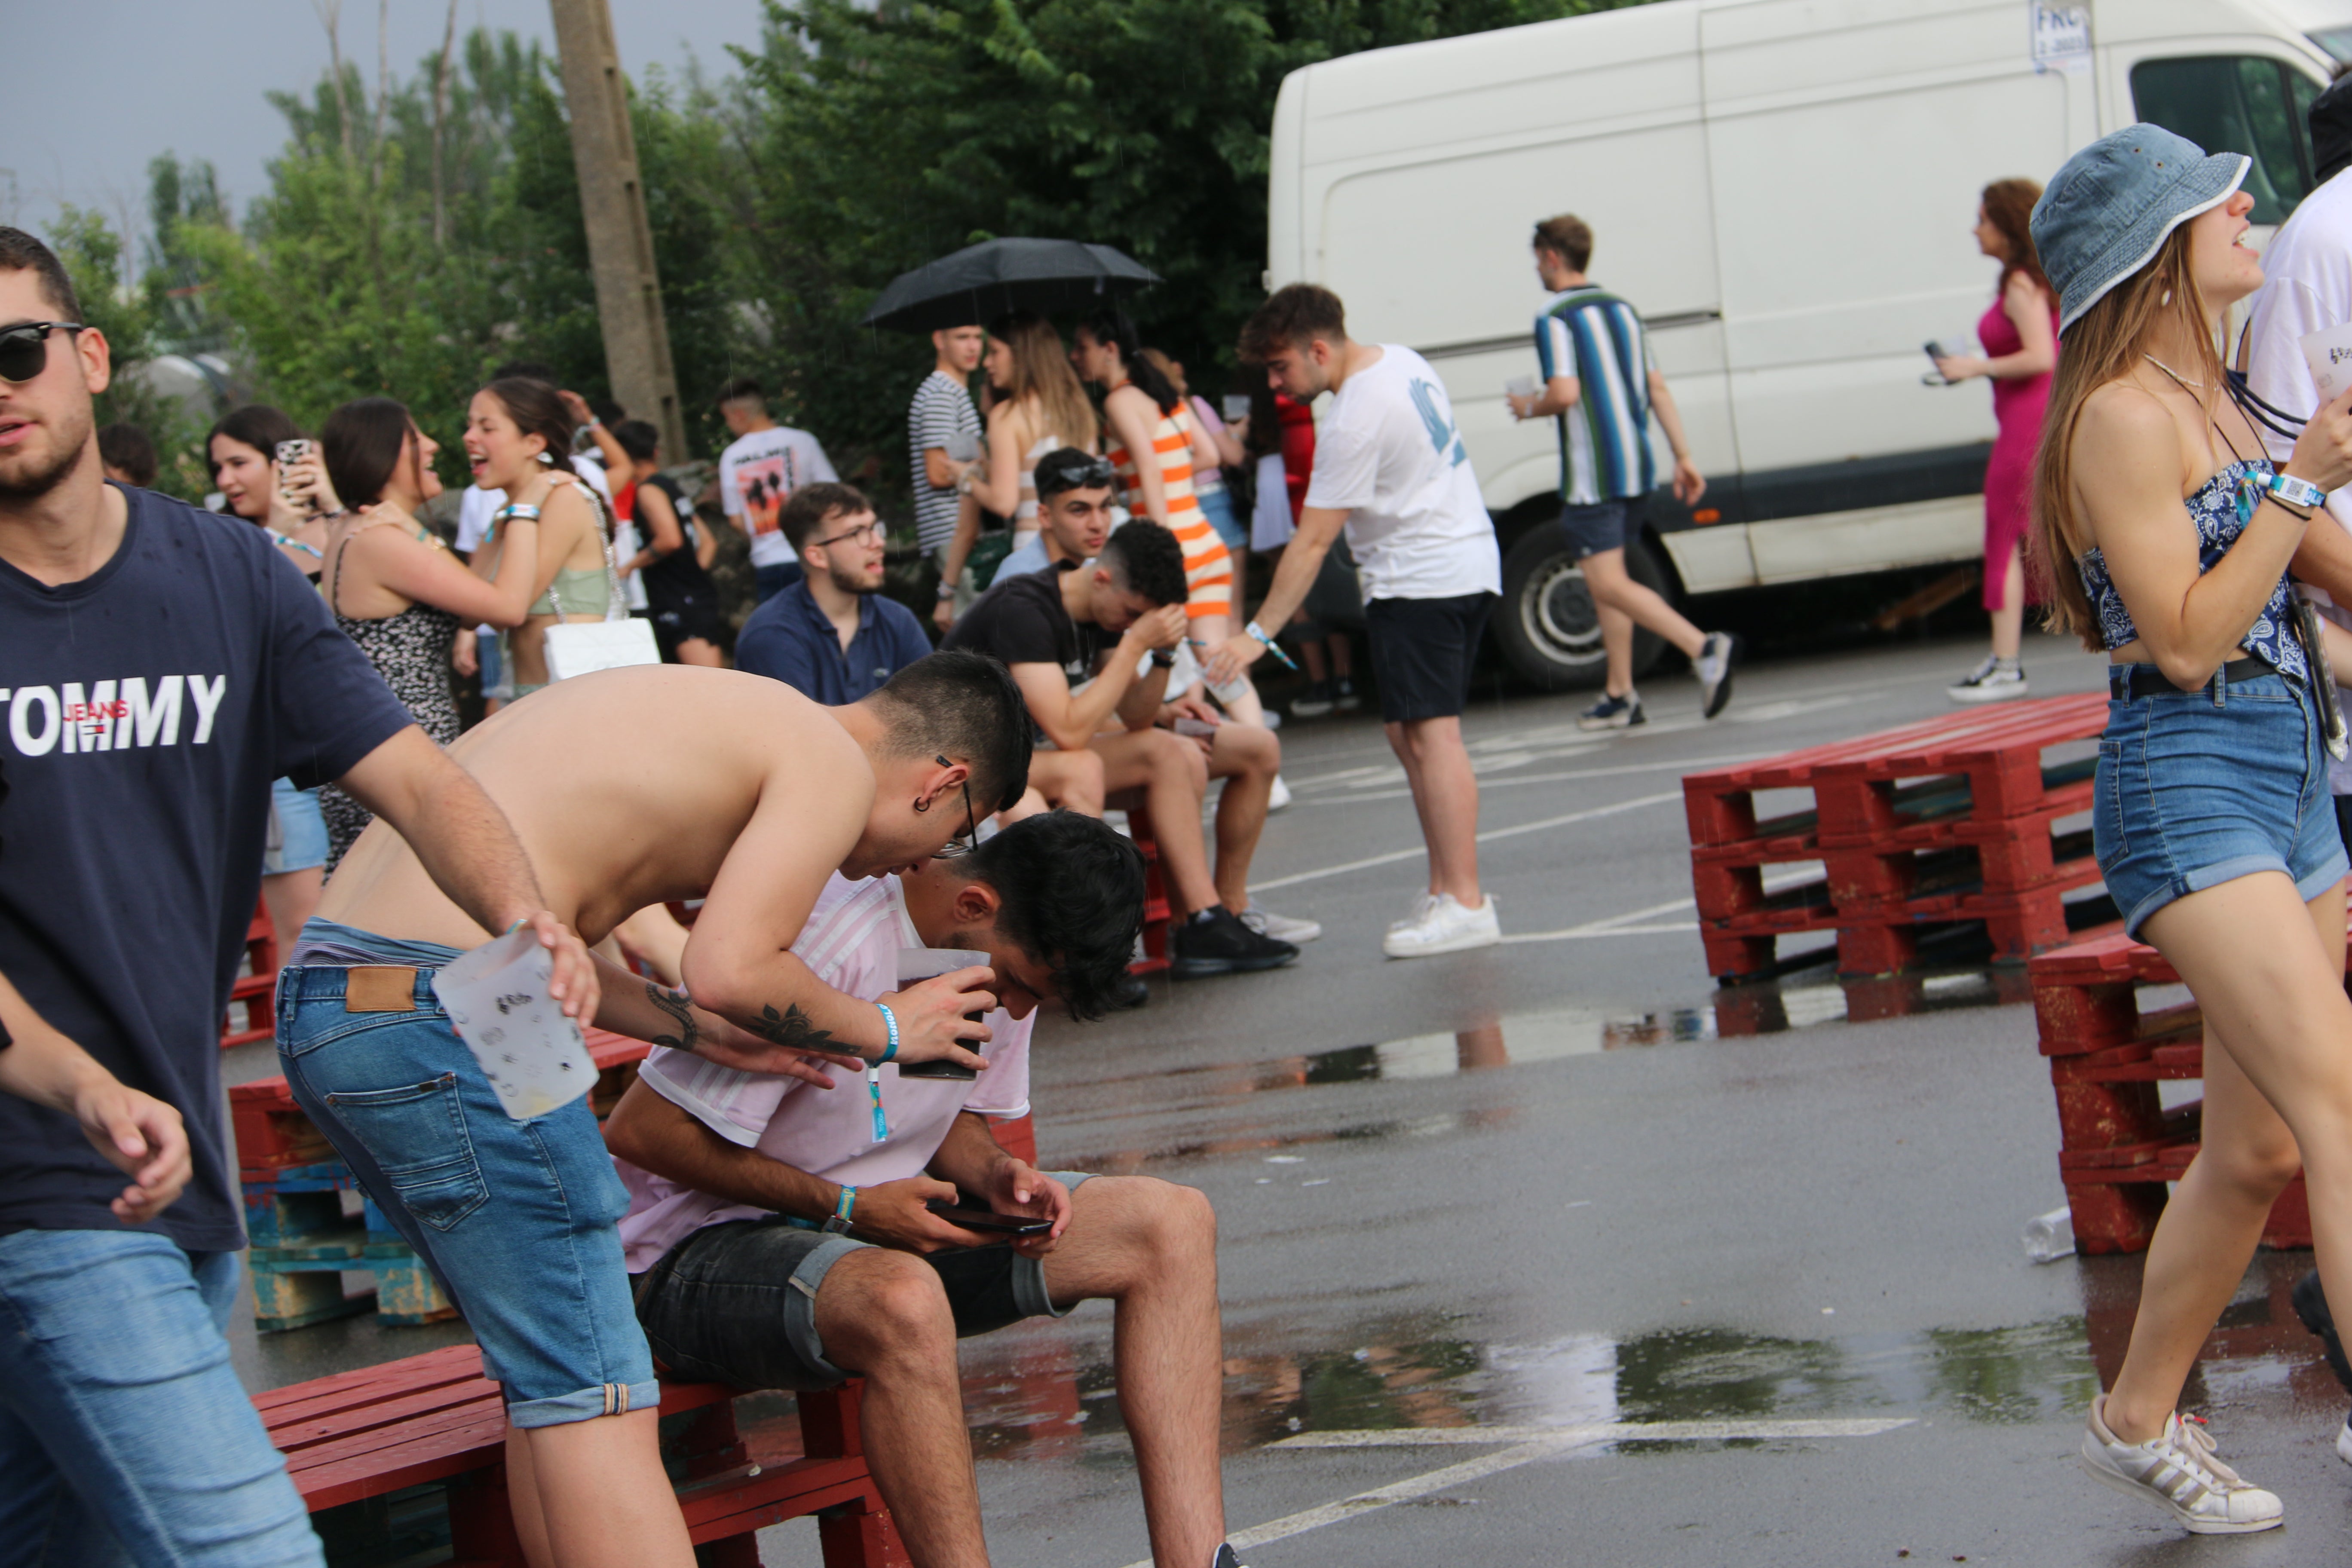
(1546, 623)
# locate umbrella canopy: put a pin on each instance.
(983, 281)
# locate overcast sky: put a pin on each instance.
(103, 86)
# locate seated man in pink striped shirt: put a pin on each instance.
(780, 1235)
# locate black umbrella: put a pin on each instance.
(981, 282)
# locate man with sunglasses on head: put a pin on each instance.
(162, 666)
(1074, 514)
(834, 635)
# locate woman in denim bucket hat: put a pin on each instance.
(2211, 817)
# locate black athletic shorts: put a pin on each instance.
(682, 619)
(1605, 526)
(1422, 652)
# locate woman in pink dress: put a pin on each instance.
(2020, 334)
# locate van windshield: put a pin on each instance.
(2238, 103)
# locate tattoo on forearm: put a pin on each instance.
(794, 1028)
(675, 1003)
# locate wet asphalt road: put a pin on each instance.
(1567, 1182)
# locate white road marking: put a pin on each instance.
(1418, 850)
(1528, 1444)
(1598, 1432)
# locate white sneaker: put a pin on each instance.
(1446, 928)
(1282, 928)
(1422, 903)
(1712, 667)
(2179, 1471)
(1279, 798)
(1992, 681)
(2344, 1441)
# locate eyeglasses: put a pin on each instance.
(871, 532)
(959, 844)
(25, 348)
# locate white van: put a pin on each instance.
(1785, 188)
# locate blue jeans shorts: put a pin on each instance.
(516, 1218)
(2198, 788)
(736, 1303)
(1217, 507)
(297, 833)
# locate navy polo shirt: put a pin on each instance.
(790, 638)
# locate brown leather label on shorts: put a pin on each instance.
(379, 988)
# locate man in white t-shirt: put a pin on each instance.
(782, 1236)
(758, 473)
(1390, 466)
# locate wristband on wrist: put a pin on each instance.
(839, 1222)
(2296, 492)
(890, 1022)
(1254, 629)
(947, 589)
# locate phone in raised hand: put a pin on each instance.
(920, 963)
(289, 453)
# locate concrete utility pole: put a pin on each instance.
(613, 205)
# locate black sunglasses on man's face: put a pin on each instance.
(25, 348)
(959, 844)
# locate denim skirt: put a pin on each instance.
(2198, 788)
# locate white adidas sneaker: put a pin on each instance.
(2179, 1471)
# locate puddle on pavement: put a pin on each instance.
(1523, 1038)
(1041, 1399)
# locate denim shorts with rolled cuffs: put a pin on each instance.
(516, 1219)
(2198, 788)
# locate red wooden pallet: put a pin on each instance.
(255, 990)
(1856, 799)
(1880, 939)
(2117, 1145)
(434, 1417)
(1155, 884)
(273, 1133)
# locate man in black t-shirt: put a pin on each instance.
(1074, 640)
(163, 666)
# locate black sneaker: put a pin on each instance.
(1315, 703)
(1225, 1559)
(1129, 994)
(1613, 713)
(1348, 700)
(1221, 944)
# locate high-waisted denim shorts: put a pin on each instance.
(2198, 788)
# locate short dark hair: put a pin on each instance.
(2330, 119)
(638, 438)
(1568, 236)
(963, 705)
(526, 370)
(738, 388)
(1070, 468)
(606, 410)
(1071, 894)
(537, 411)
(360, 444)
(806, 509)
(1144, 558)
(1293, 317)
(127, 447)
(20, 252)
(258, 425)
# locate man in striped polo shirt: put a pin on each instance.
(1602, 387)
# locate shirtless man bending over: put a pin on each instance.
(629, 788)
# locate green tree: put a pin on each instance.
(879, 136)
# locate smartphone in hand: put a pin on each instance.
(988, 1219)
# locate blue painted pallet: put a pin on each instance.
(303, 1242)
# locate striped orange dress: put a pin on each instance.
(1208, 566)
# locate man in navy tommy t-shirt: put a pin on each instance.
(159, 666)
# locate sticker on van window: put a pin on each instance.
(2062, 38)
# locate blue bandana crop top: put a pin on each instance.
(2220, 507)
